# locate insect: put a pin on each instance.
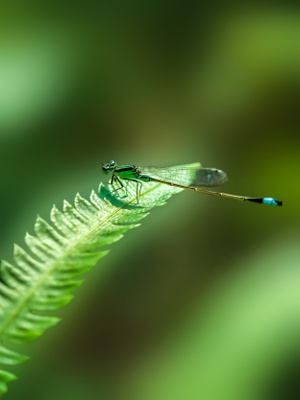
(191, 178)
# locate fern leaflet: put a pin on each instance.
(44, 277)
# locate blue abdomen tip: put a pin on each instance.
(271, 201)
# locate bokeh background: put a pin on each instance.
(203, 300)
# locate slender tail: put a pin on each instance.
(262, 200)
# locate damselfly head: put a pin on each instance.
(110, 166)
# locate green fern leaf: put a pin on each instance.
(43, 278)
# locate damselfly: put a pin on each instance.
(192, 178)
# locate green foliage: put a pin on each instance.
(44, 277)
(238, 341)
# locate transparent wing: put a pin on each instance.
(189, 176)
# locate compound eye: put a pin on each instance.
(112, 163)
(105, 168)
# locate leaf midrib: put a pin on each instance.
(22, 305)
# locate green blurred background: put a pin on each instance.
(202, 301)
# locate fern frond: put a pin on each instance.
(44, 276)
